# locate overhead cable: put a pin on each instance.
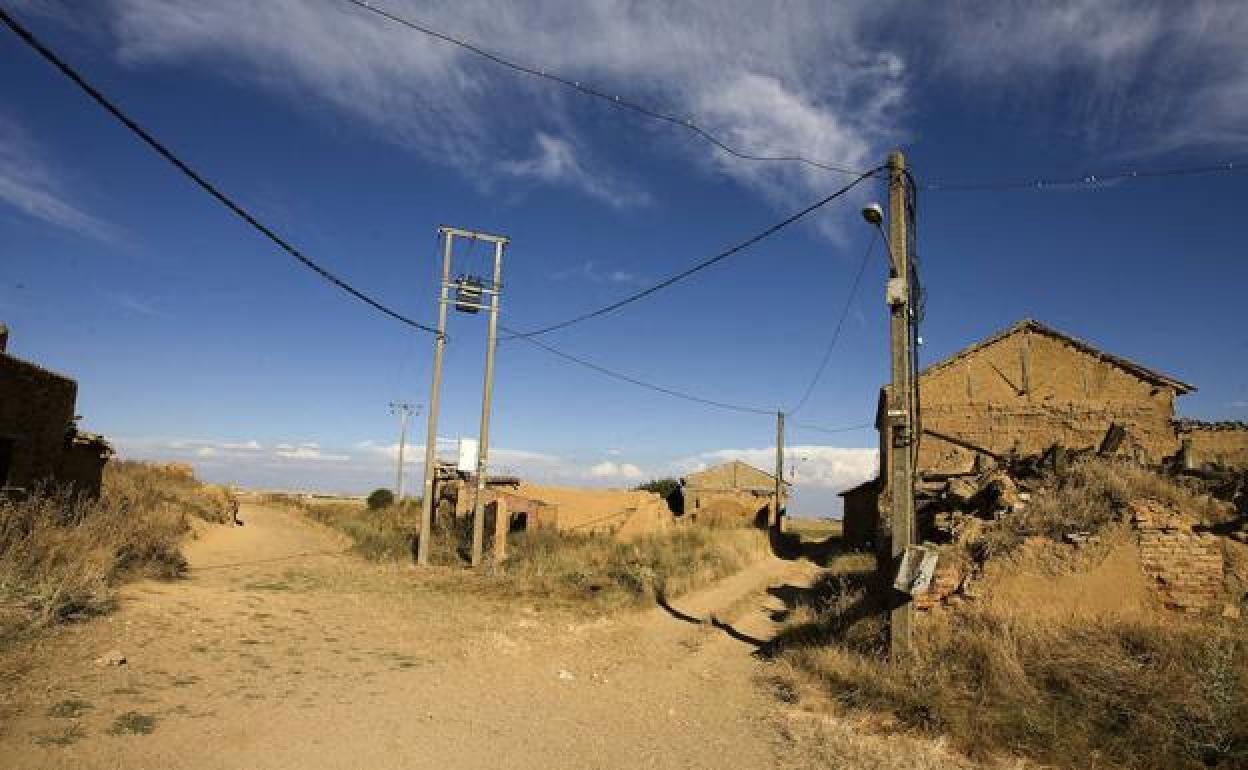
(836, 332)
(1086, 181)
(709, 261)
(597, 93)
(638, 382)
(845, 429)
(237, 209)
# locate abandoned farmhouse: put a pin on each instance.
(39, 438)
(1029, 388)
(730, 489)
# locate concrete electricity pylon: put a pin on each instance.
(901, 417)
(470, 293)
(404, 411)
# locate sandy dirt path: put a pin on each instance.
(282, 651)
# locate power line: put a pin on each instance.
(845, 429)
(1086, 181)
(836, 333)
(155, 144)
(699, 266)
(635, 381)
(597, 93)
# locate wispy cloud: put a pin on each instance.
(590, 271)
(557, 162)
(1118, 72)
(801, 80)
(29, 184)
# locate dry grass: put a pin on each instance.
(62, 558)
(612, 573)
(1091, 495)
(1143, 690)
(552, 565)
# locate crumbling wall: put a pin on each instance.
(1219, 443)
(82, 467)
(1185, 566)
(622, 513)
(1027, 391)
(732, 486)
(36, 410)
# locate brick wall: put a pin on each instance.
(36, 408)
(1185, 566)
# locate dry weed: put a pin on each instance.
(1144, 690)
(60, 557)
(549, 564)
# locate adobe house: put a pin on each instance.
(1021, 391)
(1213, 443)
(731, 485)
(39, 440)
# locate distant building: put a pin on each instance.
(732, 488)
(1024, 390)
(39, 438)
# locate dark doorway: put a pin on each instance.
(6, 459)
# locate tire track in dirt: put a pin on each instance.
(280, 652)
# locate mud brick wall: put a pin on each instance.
(1185, 567)
(36, 407)
(1220, 443)
(945, 582)
(1029, 390)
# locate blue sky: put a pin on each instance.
(191, 337)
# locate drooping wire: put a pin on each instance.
(208, 187)
(635, 381)
(597, 93)
(843, 429)
(836, 332)
(709, 261)
(1086, 181)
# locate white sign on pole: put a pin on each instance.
(467, 455)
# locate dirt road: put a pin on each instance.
(281, 651)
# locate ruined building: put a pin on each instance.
(39, 438)
(1029, 387)
(732, 488)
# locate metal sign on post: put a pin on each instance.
(917, 568)
(467, 455)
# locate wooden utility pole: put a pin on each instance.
(435, 388)
(901, 418)
(483, 446)
(404, 411)
(779, 503)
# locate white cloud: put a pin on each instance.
(798, 80)
(557, 162)
(810, 465)
(29, 184)
(311, 453)
(608, 469)
(206, 451)
(589, 271)
(1148, 75)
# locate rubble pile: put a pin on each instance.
(1180, 554)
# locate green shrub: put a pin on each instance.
(380, 498)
